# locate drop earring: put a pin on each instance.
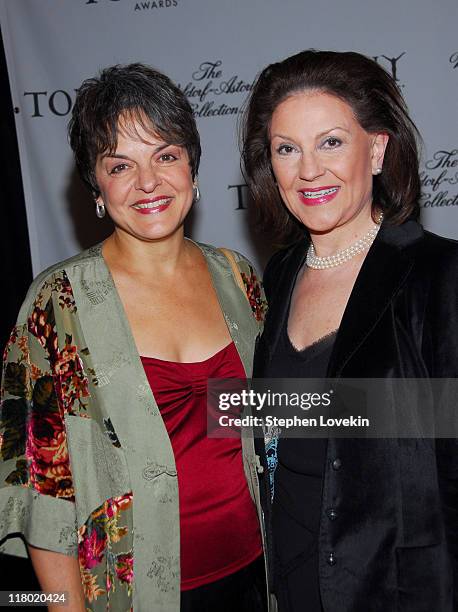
(99, 209)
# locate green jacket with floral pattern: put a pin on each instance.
(86, 465)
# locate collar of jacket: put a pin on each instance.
(385, 268)
(110, 339)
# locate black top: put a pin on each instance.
(298, 487)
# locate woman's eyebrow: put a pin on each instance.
(122, 156)
(337, 127)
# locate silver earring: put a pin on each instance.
(100, 209)
(196, 193)
(378, 171)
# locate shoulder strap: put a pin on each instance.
(235, 269)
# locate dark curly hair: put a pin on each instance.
(140, 94)
(378, 106)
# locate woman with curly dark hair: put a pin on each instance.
(106, 468)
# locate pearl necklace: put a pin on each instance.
(331, 261)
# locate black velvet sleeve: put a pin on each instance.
(443, 323)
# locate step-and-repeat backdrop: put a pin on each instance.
(213, 50)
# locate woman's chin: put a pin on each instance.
(319, 226)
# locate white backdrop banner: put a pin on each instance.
(214, 50)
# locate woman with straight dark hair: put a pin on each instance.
(362, 292)
(106, 467)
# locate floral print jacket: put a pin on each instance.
(86, 466)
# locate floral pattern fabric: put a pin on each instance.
(32, 416)
(101, 536)
(255, 294)
(37, 392)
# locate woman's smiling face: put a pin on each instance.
(323, 160)
(145, 184)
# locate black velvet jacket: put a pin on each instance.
(394, 544)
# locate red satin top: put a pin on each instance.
(219, 530)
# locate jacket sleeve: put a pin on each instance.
(36, 485)
(447, 460)
(443, 317)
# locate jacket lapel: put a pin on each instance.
(279, 302)
(123, 394)
(235, 307)
(383, 272)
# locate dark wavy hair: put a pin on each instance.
(140, 94)
(378, 106)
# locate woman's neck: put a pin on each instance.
(124, 252)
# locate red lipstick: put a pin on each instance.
(318, 195)
(151, 206)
